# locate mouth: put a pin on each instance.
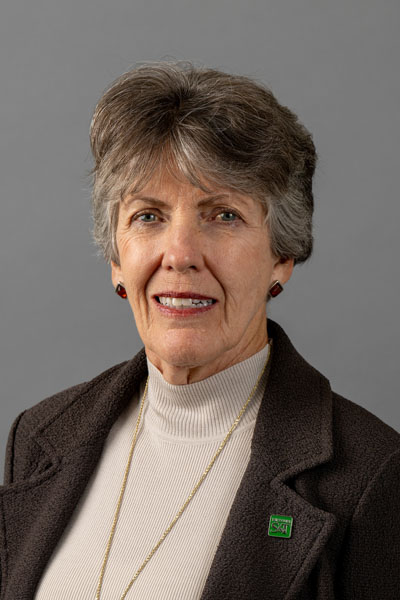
(184, 303)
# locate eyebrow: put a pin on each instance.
(208, 201)
(161, 204)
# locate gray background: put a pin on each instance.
(334, 63)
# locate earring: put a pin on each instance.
(121, 291)
(275, 289)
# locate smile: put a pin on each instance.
(184, 302)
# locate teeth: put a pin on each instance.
(183, 302)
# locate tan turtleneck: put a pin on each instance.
(182, 428)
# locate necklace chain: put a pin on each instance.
(189, 498)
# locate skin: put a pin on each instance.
(172, 236)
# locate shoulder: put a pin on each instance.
(47, 409)
(359, 434)
(116, 375)
(366, 452)
(354, 429)
(79, 399)
(365, 461)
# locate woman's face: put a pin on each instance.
(197, 268)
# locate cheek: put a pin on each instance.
(246, 268)
(137, 269)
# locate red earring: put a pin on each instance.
(121, 291)
(275, 289)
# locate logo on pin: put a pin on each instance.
(280, 526)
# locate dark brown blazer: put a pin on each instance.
(315, 456)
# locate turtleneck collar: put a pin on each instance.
(205, 410)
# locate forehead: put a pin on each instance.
(169, 188)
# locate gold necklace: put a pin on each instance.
(192, 493)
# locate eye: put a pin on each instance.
(145, 217)
(227, 216)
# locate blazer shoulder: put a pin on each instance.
(23, 454)
(362, 434)
(45, 410)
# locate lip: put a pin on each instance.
(170, 311)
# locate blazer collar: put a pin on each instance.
(297, 406)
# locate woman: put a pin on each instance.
(217, 463)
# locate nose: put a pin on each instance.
(183, 247)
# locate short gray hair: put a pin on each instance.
(227, 129)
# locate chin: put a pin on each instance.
(187, 350)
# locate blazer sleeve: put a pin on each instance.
(371, 559)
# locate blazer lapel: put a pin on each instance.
(293, 433)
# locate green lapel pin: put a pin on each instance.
(280, 526)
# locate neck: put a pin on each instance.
(183, 375)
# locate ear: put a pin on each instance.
(283, 270)
(116, 274)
